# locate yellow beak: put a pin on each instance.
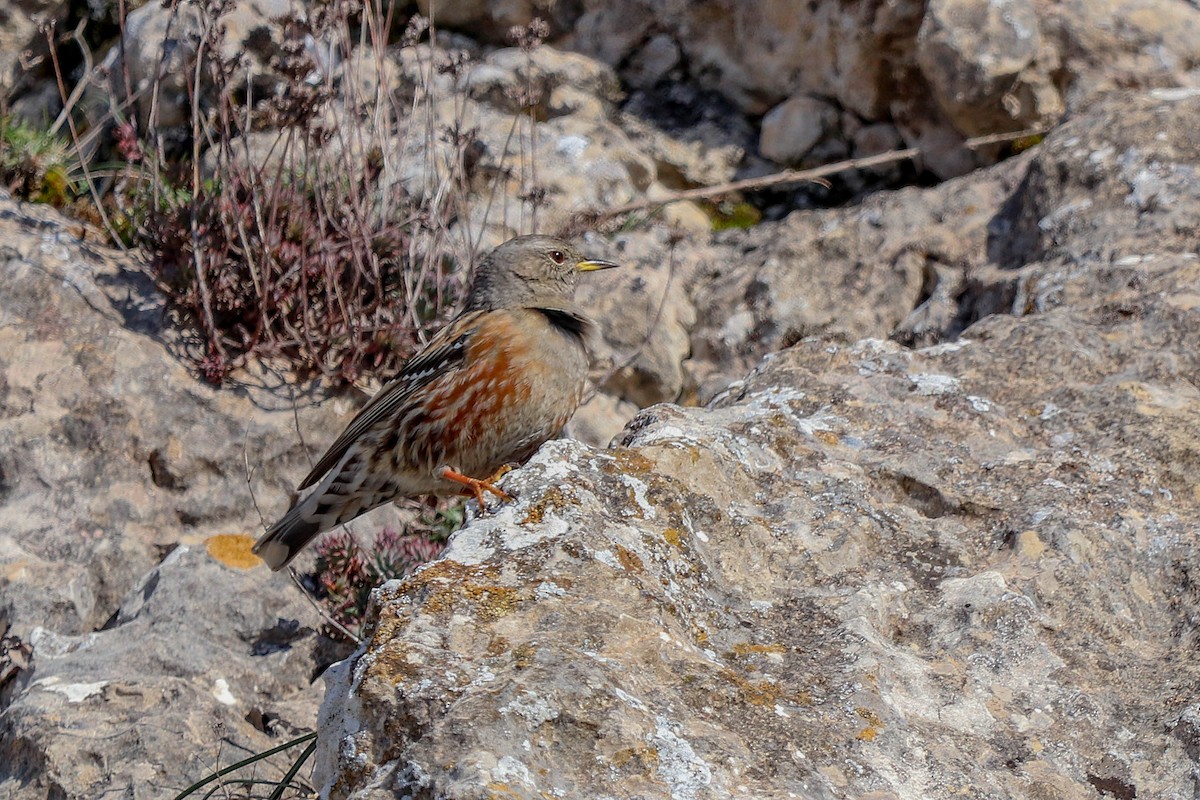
(593, 264)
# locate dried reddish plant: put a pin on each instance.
(345, 573)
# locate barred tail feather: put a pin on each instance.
(343, 494)
(287, 537)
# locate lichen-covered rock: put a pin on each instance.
(988, 65)
(863, 571)
(202, 664)
(1070, 218)
(110, 448)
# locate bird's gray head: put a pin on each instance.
(530, 272)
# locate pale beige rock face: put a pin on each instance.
(111, 447)
(20, 22)
(161, 45)
(988, 65)
(962, 568)
(647, 320)
(112, 456)
(200, 664)
(794, 127)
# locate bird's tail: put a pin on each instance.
(322, 510)
(287, 537)
(343, 494)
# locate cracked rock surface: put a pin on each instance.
(863, 571)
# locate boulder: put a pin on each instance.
(158, 55)
(793, 128)
(205, 661)
(988, 65)
(862, 571)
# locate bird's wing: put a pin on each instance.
(444, 353)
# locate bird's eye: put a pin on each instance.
(557, 256)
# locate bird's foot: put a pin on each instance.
(476, 487)
(500, 473)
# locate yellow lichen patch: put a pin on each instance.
(629, 559)
(451, 586)
(550, 500)
(760, 693)
(523, 655)
(874, 723)
(232, 550)
(867, 734)
(491, 602)
(495, 789)
(674, 537)
(497, 645)
(386, 626)
(632, 461)
(745, 649)
(391, 665)
(643, 758)
(828, 437)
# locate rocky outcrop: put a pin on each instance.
(119, 668)
(204, 662)
(862, 571)
(891, 562)
(940, 71)
(112, 453)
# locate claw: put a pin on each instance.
(477, 487)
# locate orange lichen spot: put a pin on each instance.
(867, 734)
(674, 537)
(745, 649)
(828, 437)
(874, 724)
(629, 559)
(232, 550)
(523, 655)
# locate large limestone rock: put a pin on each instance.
(864, 571)
(941, 71)
(119, 669)
(988, 65)
(205, 661)
(111, 450)
(157, 59)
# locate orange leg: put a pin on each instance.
(478, 487)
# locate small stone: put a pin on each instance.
(653, 62)
(795, 127)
